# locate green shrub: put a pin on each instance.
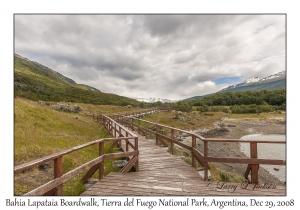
(67, 107)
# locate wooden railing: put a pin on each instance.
(166, 136)
(140, 113)
(55, 186)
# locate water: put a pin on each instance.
(268, 151)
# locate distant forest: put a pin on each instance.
(238, 102)
(263, 97)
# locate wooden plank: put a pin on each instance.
(101, 164)
(50, 193)
(198, 156)
(160, 138)
(58, 170)
(247, 172)
(183, 186)
(90, 173)
(129, 165)
(177, 190)
(132, 146)
(254, 167)
(113, 145)
(205, 161)
(193, 155)
(158, 178)
(172, 143)
(166, 188)
(136, 143)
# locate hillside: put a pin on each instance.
(196, 97)
(40, 131)
(272, 82)
(35, 81)
(273, 85)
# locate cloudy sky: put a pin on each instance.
(163, 56)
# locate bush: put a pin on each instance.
(213, 109)
(67, 107)
(252, 108)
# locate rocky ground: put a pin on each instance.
(235, 129)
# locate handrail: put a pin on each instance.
(203, 159)
(165, 126)
(54, 187)
(121, 126)
(209, 139)
(39, 161)
(141, 111)
(243, 141)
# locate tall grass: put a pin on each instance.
(40, 131)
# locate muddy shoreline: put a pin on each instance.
(235, 129)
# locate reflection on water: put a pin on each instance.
(268, 151)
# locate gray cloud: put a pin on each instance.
(165, 56)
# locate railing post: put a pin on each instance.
(156, 139)
(57, 173)
(127, 142)
(132, 124)
(205, 163)
(193, 146)
(172, 143)
(136, 144)
(139, 123)
(101, 167)
(120, 134)
(110, 127)
(146, 129)
(254, 167)
(115, 130)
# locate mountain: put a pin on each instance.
(35, 81)
(153, 100)
(272, 82)
(46, 69)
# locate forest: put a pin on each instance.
(238, 102)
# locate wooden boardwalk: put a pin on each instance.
(162, 174)
(158, 172)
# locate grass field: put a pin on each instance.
(195, 120)
(40, 131)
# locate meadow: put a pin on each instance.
(40, 131)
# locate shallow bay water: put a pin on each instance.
(268, 151)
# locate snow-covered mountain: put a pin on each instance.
(256, 80)
(272, 82)
(152, 100)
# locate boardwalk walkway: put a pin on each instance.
(162, 174)
(158, 172)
